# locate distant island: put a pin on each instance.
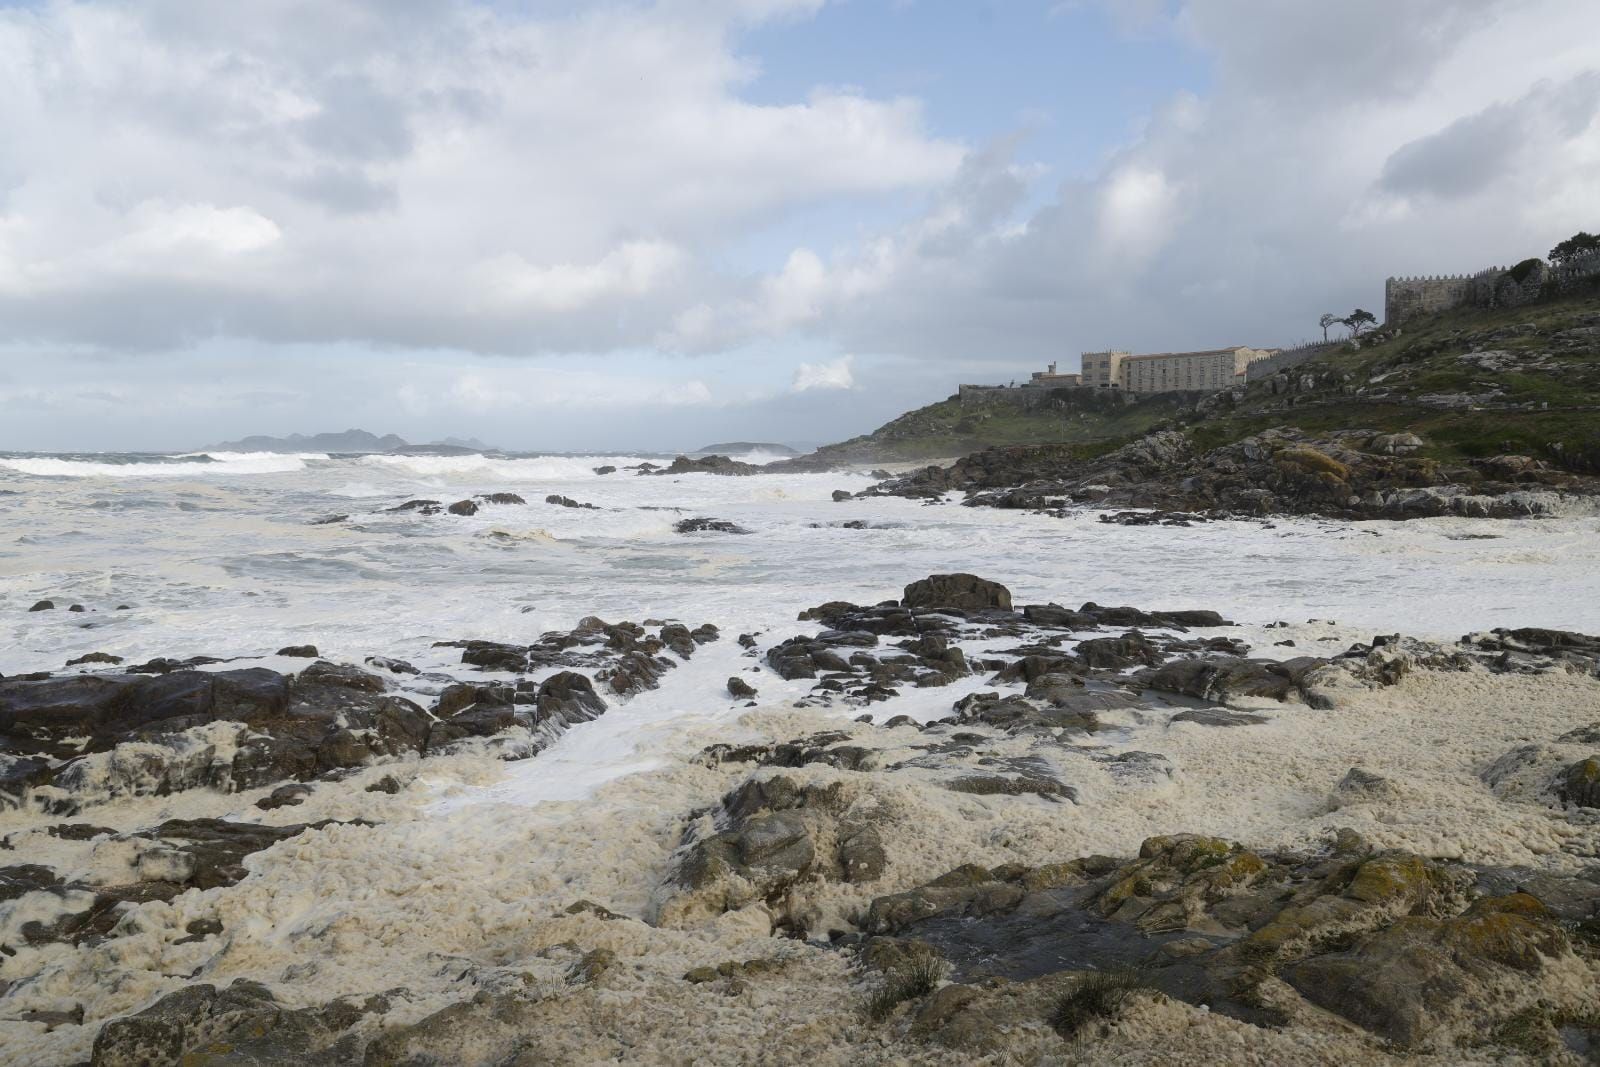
(730, 447)
(348, 441)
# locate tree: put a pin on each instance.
(1579, 244)
(1327, 320)
(1359, 320)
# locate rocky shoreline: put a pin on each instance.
(1344, 475)
(1021, 874)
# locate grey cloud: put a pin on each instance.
(1472, 152)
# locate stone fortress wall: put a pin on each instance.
(1405, 298)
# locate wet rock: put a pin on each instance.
(707, 465)
(501, 498)
(21, 878)
(567, 502)
(1219, 717)
(424, 507)
(1579, 784)
(94, 657)
(966, 592)
(463, 507)
(1403, 981)
(240, 1024)
(606, 469)
(705, 525)
(299, 651)
(285, 796)
(393, 666)
(568, 698)
(841, 495)
(1361, 786)
(862, 856)
(387, 784)
(1219, 679)
(43, 605)
(740, 689)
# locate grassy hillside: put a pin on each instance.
(1471, 383)
(1065, 416)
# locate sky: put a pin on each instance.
(648, 226)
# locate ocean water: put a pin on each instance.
(221, 555)
(226, 555)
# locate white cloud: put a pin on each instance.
(438, 174)
(837, 374)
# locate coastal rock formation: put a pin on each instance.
(1277, 472)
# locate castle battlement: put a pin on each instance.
(1429, 294)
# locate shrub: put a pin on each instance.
(1097, 996)
(1520, 272)
(909, 981)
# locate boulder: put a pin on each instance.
(966, 592)
(707, 525)
(464, 507)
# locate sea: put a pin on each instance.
(237, 555)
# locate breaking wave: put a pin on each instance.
(528, 469)
(191, 465)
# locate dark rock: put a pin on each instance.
(705, 465)
(841, 495)
(425, 507)
(1579, 784)
(43, 605)
(242, 1024)
(1219, 717)
(501, 498)
(740, 689)
(967, 592)
(299, 651)
(568, 698)
(285, 796)
(705, 525)
(607, 469)
(393, 666)
(463, 507)
(387, 784)
(94, 657)
(567, 502)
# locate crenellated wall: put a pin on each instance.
(1404, 298)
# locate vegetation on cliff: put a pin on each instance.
(1473, 384)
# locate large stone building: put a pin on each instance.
(1165, 372)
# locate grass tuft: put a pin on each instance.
(1097, 997)
(910, 981)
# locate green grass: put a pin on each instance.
(910, 981)
(1560, 423)
(1098, 996)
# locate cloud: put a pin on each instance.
(1305, 175)
(1468, 155)
(493, 178)
(837, 374)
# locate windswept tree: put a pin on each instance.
(1330, 319)
(1579, 244)
(1359, 320)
